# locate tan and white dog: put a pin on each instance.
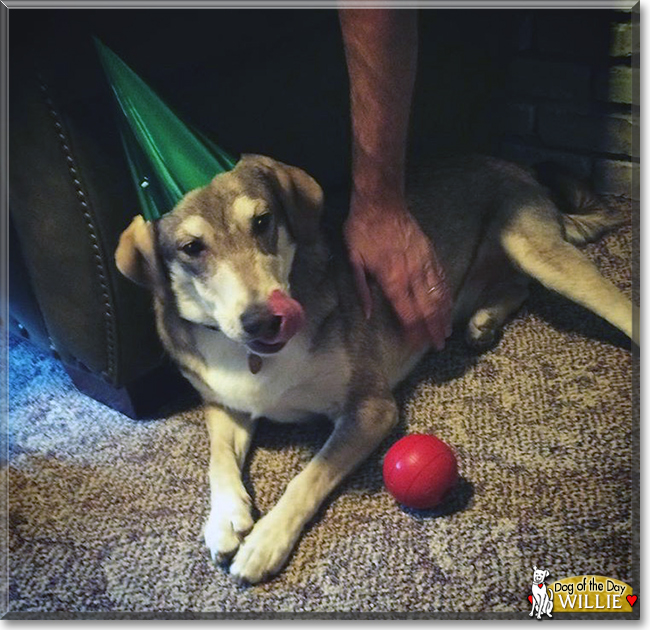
(257, 304)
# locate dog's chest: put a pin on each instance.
(289, 386)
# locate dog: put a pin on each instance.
(257, 304)
(542, 595)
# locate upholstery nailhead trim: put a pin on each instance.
(109, 316)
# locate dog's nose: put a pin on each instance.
(260, 323)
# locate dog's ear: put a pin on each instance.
(546, 574)
(135, 255)
(300, 194)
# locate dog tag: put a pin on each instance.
(254, 363)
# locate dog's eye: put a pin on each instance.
(193, 248)
(262, 223)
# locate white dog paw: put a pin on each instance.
(264, 551)
(482, 330)
(229, 521)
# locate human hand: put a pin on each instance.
(385, 241)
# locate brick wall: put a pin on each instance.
(573, 95)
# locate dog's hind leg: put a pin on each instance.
(533, 240)
(532, 612)
(492, 291)
(502, 299)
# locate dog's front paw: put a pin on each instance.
(265, 550)
(229, 521)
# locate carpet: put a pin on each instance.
(106, 513)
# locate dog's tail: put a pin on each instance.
(585, 216)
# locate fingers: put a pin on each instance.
(435, 303)
(422, 301)
(391, 248)
(397, 287)
(361, 281)
(435, 309)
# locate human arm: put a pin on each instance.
(383, 239)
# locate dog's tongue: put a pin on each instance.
(292, 313)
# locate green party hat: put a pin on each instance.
(167, 158)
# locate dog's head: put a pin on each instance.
(539, 575)
(226, 251)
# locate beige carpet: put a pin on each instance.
(106, 513)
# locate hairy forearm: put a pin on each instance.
(381, 53)
(384, 241)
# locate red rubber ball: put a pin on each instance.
(419, 470)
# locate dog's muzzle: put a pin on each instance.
(270, 326)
